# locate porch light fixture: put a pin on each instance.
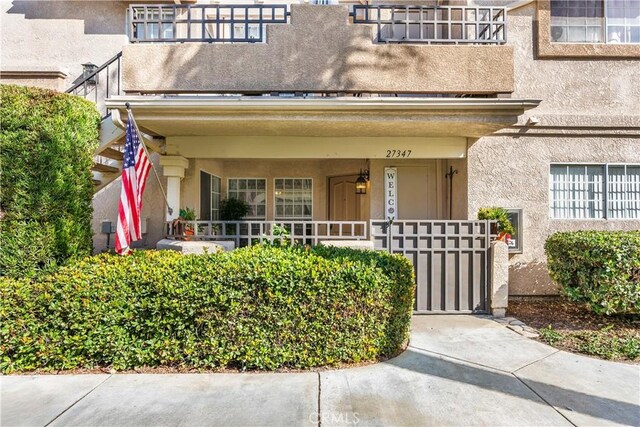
(361, 182)
(88, 69)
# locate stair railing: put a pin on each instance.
(100, 84)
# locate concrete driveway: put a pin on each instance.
(458, 370)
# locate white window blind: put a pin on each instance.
(293, 198)
(594, 191)
(623, 191)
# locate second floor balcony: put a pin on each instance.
(266, 48)
(246, 23)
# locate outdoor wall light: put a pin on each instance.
(361, 182)
(88, 69)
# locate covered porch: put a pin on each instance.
(296, 160)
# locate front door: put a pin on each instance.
(344, 203)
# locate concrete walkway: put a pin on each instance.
(458, 370)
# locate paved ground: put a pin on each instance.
(459, 370)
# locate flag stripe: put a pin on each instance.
(135, 170)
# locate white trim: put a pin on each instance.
(200, 192)
(217, 102)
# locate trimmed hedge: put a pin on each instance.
(261, 307)
(601, 268)
(47, 142)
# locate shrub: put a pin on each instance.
(601, 268)
(232, 209)
(261, 307)
(47, 142)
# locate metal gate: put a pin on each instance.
(450, 260)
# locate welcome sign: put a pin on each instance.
(390, 193)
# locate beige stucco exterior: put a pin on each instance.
(38, 36)
(547, 49)
(589, 111)
(318, 51)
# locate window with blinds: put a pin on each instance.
(595, 21)
(293, 198)
(623, 191)
(594, 191)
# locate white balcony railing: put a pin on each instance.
(246, 233)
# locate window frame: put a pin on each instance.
(546, 49)
(285, 218)
(604, 23)
(211, 176)
(266, 195)
(605, 191)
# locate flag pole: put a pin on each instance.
(144, 147)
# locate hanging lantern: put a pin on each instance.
(361, 182)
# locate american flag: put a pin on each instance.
(135, 169)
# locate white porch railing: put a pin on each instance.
(246, 233)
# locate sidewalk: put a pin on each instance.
(458, 370)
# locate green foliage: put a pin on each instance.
(550, 335)
(281, 236)
(47, 142)
(601, 268)
(605, 343)
(261, 307)
(232, 209)
(187, 214)
(497, 214)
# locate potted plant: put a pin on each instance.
(504, 229)
(181, 224)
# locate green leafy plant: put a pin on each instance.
(550, 335)
(47, 141)
(281, 236)
(500, 215)
(187, 214)
(260, 307)
(232, 209)
(601, 268)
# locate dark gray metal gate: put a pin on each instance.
(450, 260)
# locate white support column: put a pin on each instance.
(173, 168)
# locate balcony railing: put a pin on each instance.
(247, 233)
(203, 23)
(221, 23)
(435, 24)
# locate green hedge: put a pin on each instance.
(47, 140)
(601, 268)
(255, 308)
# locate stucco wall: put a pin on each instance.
(514, 173)
(41, 34)
(590, 112)
(105, 207)
(590, 91)
(317, 51)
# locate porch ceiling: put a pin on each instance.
(342, 117)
